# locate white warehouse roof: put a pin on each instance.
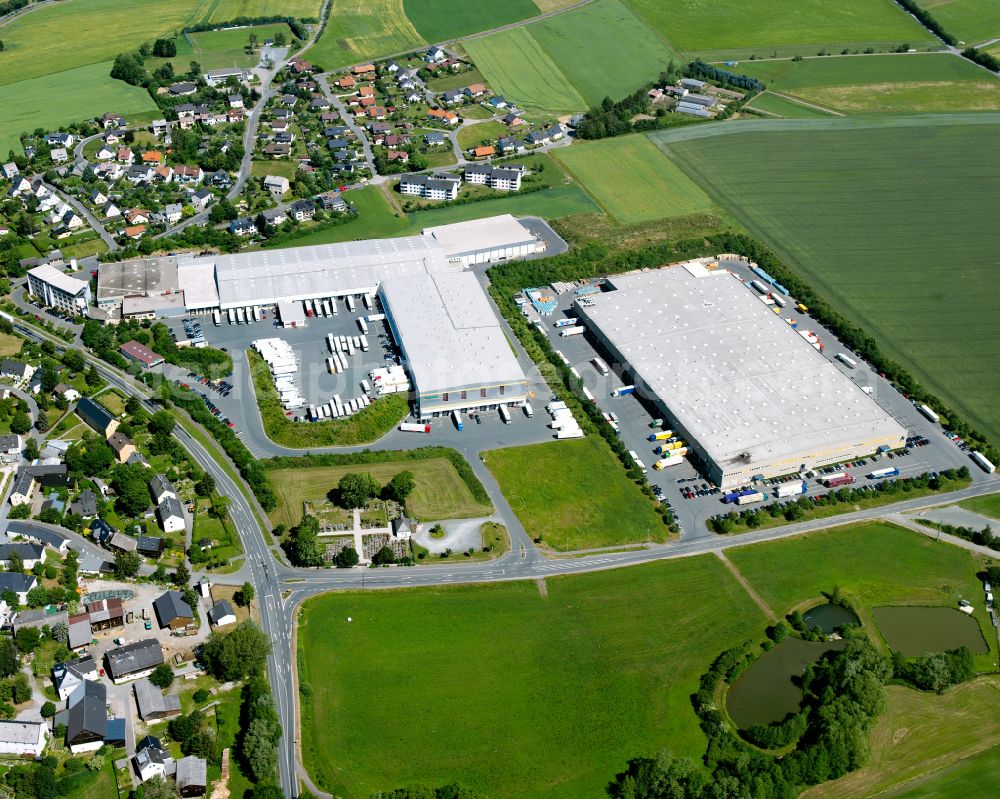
(735, 375)
(451, 335)
(491, 233)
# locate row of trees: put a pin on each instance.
(925, 18)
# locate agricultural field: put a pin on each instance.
(882, 83)
(225, 48)
(800, 185)
(439, 492)
(225, 10)
(630, 182)
(717, 29)
(67, 35)
(65, 97)
(566, 39)
(513, 689)
(776, 105)
(971, 21)
(440, 20)
(518, 68)
(361, 29)
(574, 495)
(873, 564)
(907, 743)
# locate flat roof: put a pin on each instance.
(138, 278)
(450, 333)
(479, 234)
(60, 280)
(197, 281)
(735, 375)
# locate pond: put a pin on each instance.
(828, 617)
(765, 693)
(916, 631)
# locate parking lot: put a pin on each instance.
(693, 498)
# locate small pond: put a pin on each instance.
(915, 631)
(765, 693)
(828, 617)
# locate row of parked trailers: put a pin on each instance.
(328, 306)
(336, 409)
(239, 316)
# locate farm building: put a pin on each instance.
(752, 397)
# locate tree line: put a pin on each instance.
(925, 18)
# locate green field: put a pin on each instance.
(358, 30)
(285, 169)
(574, 495)
(440, 20)
(226, 10)
(67, 35)
(883, 83)
(518, 68)
(971, 21)
(567, 40)
(907, 743)
(218, 49)
(874, 564)
(987, 506)
(439, 492)
(510, 692)
(721, 28)
(855, 207)
(629, 180)
(71, 96)
(780, 106)
(471, 135)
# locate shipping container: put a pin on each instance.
(457, 419)
(411, 427)
(926, 411)
(623, 391)
(878, 474)
(983, 463)
(601, 367)
(579, 330)
(565, 322)
(504, 414)
(846, 360)
(663, 463)
(749, 498)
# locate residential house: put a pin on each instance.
(68, 393)
(27, 739)
(483, 151)
(59, 155)
(161, 488)
(105, 153)
(87, 718)
(191, 776)
(153, 761)
(221, 179)
(125, 155)
(140, 174)
(399, 155)
(434, 138)
(17, 371)
(303, 210)
(152, 704)
(172, 611)
(512, 120)
(136, 351)
(397, 140)
(440, 115)
(363, 69)
(511, 146)
(217, 77)
(222, 613)
(235, 100)
(278, 150)
(122, 542)
(24, 485)
(319, 103)
(135, 232)
(435, 55)
(69, 675)
(430, 187)
(134, 661)
(96, 416)
(111, 211)
(498, 102)
(188, 174)
(243, 227)
(19, 583)
(474, 90)
(86, 504)
(173, 212)
(137, 216)
(150, 546)
(452, 96)
(277, 185)
(272, 217)
(60, 139)
(122, 446)
(170, 515)
(160, 127)
(346, 82)
(9, 171)
(200, 199)
(332, 201)
(154, 157)
(30, 554)
(10, 444)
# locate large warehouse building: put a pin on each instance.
(453, 347)
(751, 396)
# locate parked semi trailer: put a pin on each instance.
(565, 322)
(663, 463)
(983, 463)
(663, 435)
(578, 330)
(791, 489)
(623, 391)
(750, 498)
(926, 411)
(412, 427)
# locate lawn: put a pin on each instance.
(883, 83)
(630, 182)
(285, 169)
(508, 691)
(225, 48)
(94, 246)
(987, 506)
(9, 345)
(970, 21)
(874, 564)
(907, 742)
(639, 54)
(801, 185)
(574, 494)
(67, 35)
(362, 29)
(440, 20)
(65, 97)
(480, 133)
(723, 29)
(439, 492)
(375, 219)
(517, 67)
(455, 80)
(113, 401)
(103, 787)
(780, 106)
(226, 10)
